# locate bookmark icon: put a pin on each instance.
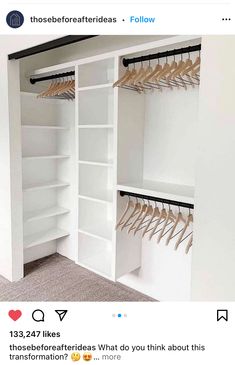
(61, 313)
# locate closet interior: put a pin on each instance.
(90, 142)
(47, 163)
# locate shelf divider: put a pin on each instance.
(100, 199)
(95, 87)
(43, 237)
(96, 163)
(45, 213)
(160, 189)
(49, 127)
(95, 126)
(48, 185)
(45, 157)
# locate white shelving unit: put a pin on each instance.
(78, 155)
(48, 177)
(48, 185)
(95, 163)
(44, 213)
(95, 87)
(49, 127)
(44, 237)
(104, 196)
(95, 126)
(45, 157)
(96, 166)
(95, 254)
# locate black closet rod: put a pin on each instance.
(160, 200)
(52, 77)
(127, 61)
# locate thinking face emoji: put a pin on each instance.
(75, 356)
(87, 356)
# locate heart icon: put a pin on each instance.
(15, 315)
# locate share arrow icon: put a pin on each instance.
(61, 313)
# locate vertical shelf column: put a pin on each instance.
(96, 167)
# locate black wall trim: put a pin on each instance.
(60, 42)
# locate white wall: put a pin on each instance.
(213, 265)
(10, 194)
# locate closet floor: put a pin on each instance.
(56, 278)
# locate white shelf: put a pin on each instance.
(45, 213)
(101, 232)
(95, 163)
(48, 185)
(95, 126)
(43, 237)
(183, 193)
(100, 264)
(101, 197)
(45, 157)
(95, 87)
(49, 127)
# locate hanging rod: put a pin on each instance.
(160, 200)
(51, 77)
(127, 61)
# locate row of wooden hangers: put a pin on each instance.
(60, 89)
(154, 222)
(176, 74)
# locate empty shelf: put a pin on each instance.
(103, 197)
(96, 126)
(96, 163)
(103, 232)
(49, 127)
(160, 189)
(45, 157)
(47, 185)
(99, 264)
(43, 237)
(95, 87)
(45, 213)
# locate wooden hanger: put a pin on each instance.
(61, 87)
(189, 245)
(165, 70)
(68, 91)
(118, 82)
(154, 73)
(181, 239)
(130, 204)
(142, 221)
(51, 92)
(179, 218)
(138, 75)
(188, 63)
(142, 210)
(163, 75)
(147, 72)
(128, 79)
(195, 71)
(193, 66)
(155, 214)
(169, 218)
(160, 220)
(48, 90)
(135, 211)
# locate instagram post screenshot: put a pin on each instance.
(117, 182)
